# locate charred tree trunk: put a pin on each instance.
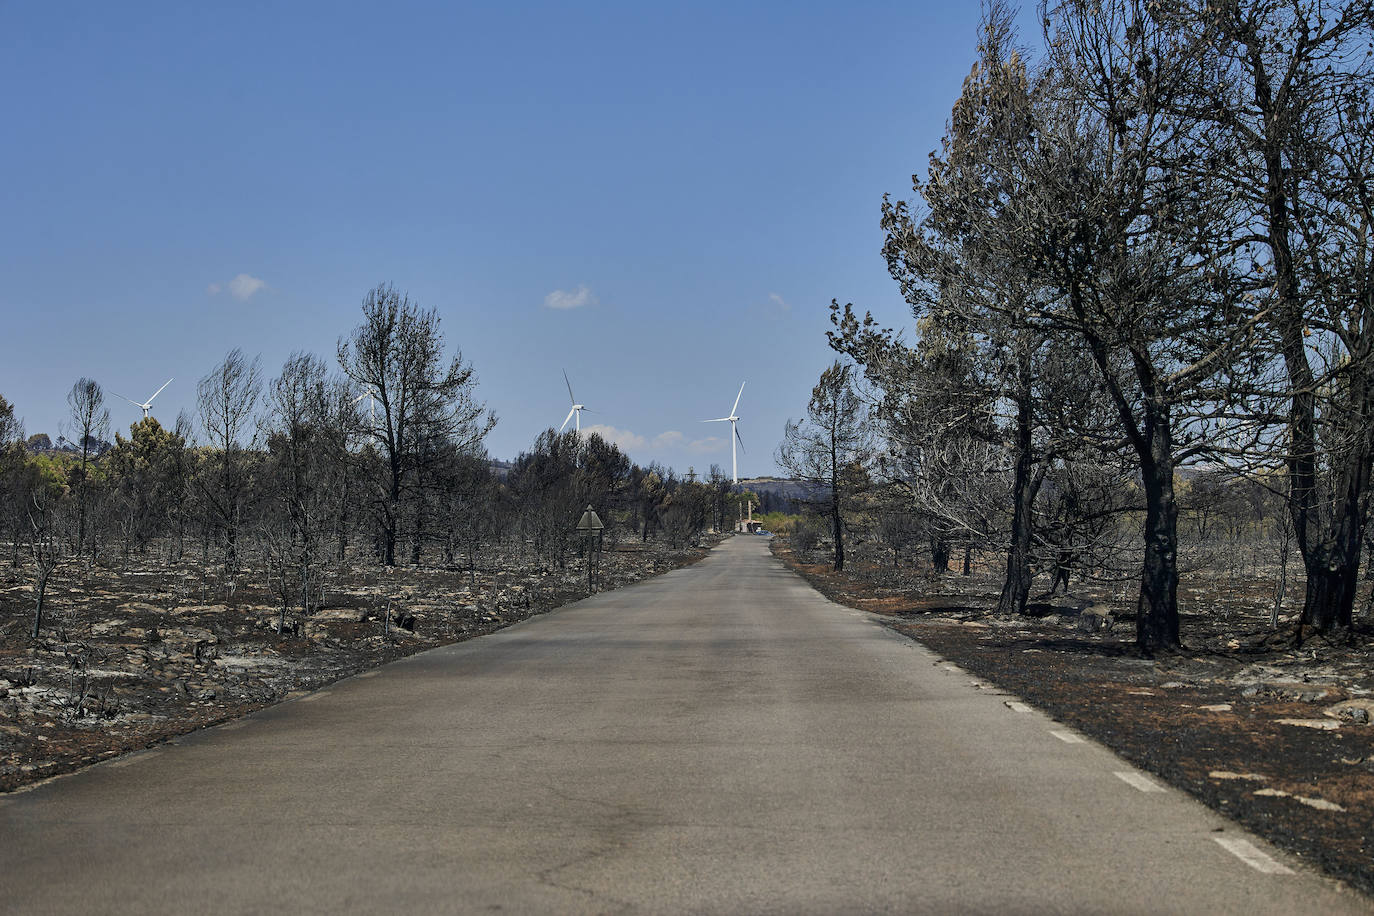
(1026, 483)
(41, 590)
(836, 524)
(1329, 541)
(1151, 436)
(836, 529)
(342, 530)
(1156, 626)
(939, 554)
(390, 514)
(417, 543)
(231, 548)
(1017, 583)
(1330, 599)
(81, 499)
(1333, 561)
(1062, 570)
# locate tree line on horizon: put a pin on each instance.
(283, 478)
(1147, 250)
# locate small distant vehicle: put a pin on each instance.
(765, 532)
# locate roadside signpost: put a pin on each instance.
(591, 527)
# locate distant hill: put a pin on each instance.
(781, 494)
(42, 444)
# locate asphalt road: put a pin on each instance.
(721, 739)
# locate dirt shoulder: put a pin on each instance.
(1276, 738)
(134, 656)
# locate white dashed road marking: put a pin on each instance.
(1069, 737)
(1139, 781)
(1248, 853)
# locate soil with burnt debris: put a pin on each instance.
(132, 656)
(1277, 737)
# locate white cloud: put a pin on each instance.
(629, 441)
(702, 446)
(775, 308)
(626, 440)
(570, 299)
(243, 287)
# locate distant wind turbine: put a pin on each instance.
(371, 405)
(733, 418)
(576, 412)
(146, 405)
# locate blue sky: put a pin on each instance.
(696, 181)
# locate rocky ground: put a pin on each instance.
(131, 656)
(1275, 736)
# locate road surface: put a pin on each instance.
(721, 739)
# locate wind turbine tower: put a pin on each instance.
(734, 430)
(146, 405)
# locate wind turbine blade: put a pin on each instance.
(130, 400)
(566, 419)
(716, 420)
(159, 391)
(741, 441)
(361, 396)
(571, 397)
(737, 397)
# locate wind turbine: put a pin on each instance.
(371, 405)
(733, 418)
(146, 405)
(577, 408)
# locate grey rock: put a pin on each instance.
(1356, 711)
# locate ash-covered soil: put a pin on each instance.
(131, 656)
(1276, 737)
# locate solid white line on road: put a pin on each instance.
(1248, 853)
(952, 669)
(311, 697)
(372, 673)
(232, 725)
(1139, 780)
(1068, 737)
(1016, 706)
